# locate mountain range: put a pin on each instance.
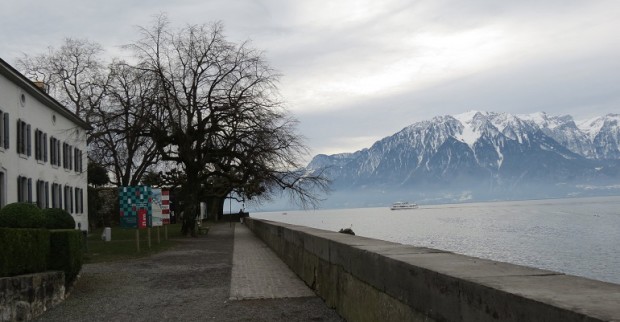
(480, 156)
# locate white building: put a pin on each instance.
(42, 148)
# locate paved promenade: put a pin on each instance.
(227, 275)
(258, 273)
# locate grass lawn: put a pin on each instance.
(123, 243)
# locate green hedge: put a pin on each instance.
(66, 252)
(26, 251)
(23, 251)
(21, 215)
(56, 218)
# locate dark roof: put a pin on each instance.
(12, 74)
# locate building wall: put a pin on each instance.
(17, 100)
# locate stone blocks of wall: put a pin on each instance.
(372, 280)
(24, 297)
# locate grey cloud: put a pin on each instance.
(564, 59)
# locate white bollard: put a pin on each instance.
(107, 234)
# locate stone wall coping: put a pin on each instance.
(390, 267)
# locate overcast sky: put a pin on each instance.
(357, 71)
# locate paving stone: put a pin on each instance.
(258, 273)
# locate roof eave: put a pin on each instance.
(18, 78)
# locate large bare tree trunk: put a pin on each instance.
(191, 207)
(215, 207)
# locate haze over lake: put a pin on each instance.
(579, 236)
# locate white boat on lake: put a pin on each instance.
(403, 205)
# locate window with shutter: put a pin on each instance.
(24, 138)
(24, 189)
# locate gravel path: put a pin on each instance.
(188, 283)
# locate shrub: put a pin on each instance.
(66, 252)
(58, 219)
(21, 215)
(23, 251)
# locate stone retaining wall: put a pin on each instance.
(24, 297)
(372, 280)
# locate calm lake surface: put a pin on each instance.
(578, 236)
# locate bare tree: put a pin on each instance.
(111, 97)
(195, 102)
(219, 117)
(259, 156)
(73, 74)
(120, 144)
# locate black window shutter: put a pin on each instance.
(6, 130)
(19, 136)
(70, 153)
(53, 150)
(37, 145)
(28, 144)
(45, 147)
(47, 194)
(59, 154)
(19, 189)
(29, 190)
(53, 195)
(38, 194)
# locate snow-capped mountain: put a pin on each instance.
(604, 134)
(486, 152)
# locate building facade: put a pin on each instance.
(43, 156)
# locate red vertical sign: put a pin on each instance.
(142, 218)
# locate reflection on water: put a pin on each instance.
(578, 236)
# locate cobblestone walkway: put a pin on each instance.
(258, 273)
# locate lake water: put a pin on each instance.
(578, 236)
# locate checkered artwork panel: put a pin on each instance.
(135, 206)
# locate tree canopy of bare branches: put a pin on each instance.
(111, 96)
(74, 74)
(120, 144)
(219, 117)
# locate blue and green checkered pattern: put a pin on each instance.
(131, 200)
